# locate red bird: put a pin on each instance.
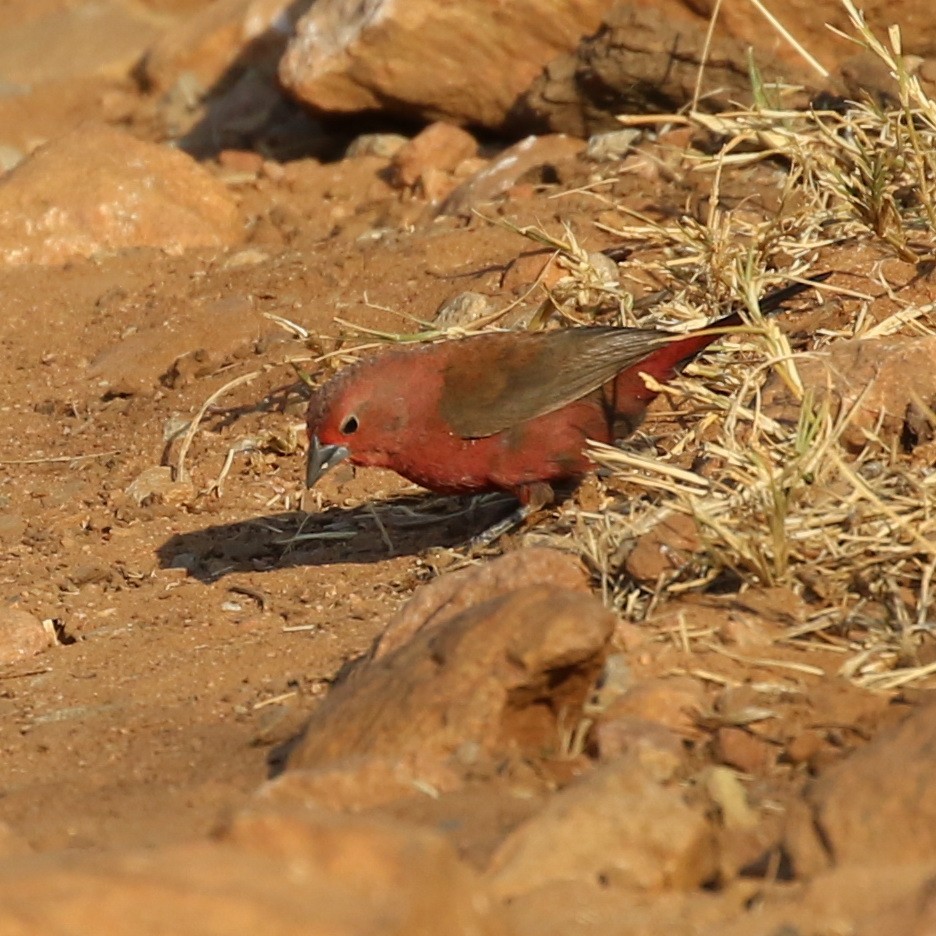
(502, 411)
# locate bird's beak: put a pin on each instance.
(322, 458)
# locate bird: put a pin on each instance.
(507, 411)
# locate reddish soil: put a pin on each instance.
(197, 630)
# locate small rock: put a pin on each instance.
(439, 147)
(384, 145)
(98, 189)
(22, 635)
(739, 748)
(674, 702)
(615, 144)
(497, 676)
(617, 826)
(880, 382)
(157, 483)
(10, 156)
(657, 748)
(441, 600)
(462, 310)
(241, 161)
(664, 549)
(877, 807)
(514, 162)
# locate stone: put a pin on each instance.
(463, 310)
(207, 43)
(440, 146)
(156, 484)
(611, 146)
(502, 676)
(876, 807)
(674, 702)
(616, 826)
(100, 189)
(646, 58)
(884, 384)
(664, 549)
(532, 154)
(280, 875)
(22, 635)
(463, 62)
(449, 595)
(743, 750)
(103, 38)
(658, 748)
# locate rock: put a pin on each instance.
(645, 59)
(215, 38)
(156, 483)
(463, 62)
(610, 146)
(10, 156)
(280, 875)
(463, 310)
(673, 702)
(535, 154)
(498, 677)
(384, 145)
(617, 826)
(657, 748)
(190, 342)
(77, 40)
(98, 189)
(885, 384)
(440, 146)
(449, 595)
(739, 748)
(22, 635)
(664, 549)
(864, 811)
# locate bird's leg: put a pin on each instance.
(532, 497)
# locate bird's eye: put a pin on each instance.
(349, 426)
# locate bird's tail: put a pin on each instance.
(631, 393)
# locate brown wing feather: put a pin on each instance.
(511, 381)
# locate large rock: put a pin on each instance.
(463, 62)
(618, 826)
(98, 189)
(221, 36)
(887, 386)
(501, 677)
(280, 874)
(449, 595)
(878, 807)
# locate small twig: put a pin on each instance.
(179, 474)
(57, 458)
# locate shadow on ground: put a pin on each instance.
(400, 526)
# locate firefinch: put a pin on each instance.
(500, 411)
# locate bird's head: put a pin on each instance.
(354, 416)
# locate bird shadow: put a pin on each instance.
(399, 526)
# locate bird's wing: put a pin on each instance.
(520, 377)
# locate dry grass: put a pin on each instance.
(854, 534)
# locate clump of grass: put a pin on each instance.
(788, 504)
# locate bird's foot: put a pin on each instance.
(508, 524)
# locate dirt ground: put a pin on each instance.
(200, 624)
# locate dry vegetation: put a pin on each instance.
(780, 502)
(788, 504)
